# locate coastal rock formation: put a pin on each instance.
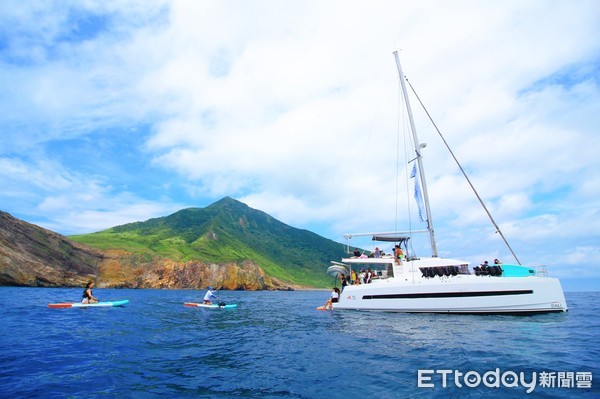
(122, 269)
(36, 257)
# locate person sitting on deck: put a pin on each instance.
(484, 268)
(334, 298)
(356, 253)
(377, 252)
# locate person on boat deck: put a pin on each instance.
(368, 276)
(398, 254)
(208, 296)
(334, 298)
(356, 253)
(88, 297)
(353, 277)
(377, 252)
(496, 262)
(343, 280)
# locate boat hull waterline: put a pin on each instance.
(411, 292)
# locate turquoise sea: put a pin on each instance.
(276, 345)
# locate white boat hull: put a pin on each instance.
(413, 293)
(438, 285)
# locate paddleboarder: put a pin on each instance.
(88, 297)
(208, 296)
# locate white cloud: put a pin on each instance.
(291, 107)
(69, 202)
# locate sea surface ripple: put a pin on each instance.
(276, 345)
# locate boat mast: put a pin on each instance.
(419, 160)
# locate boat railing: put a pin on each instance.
(541, 271)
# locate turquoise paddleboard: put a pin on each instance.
(88, 305)
(212, 306)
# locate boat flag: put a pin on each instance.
(418, 195)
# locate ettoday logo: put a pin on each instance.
(472, 379)
(509, 379)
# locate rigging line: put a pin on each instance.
(398, 123)
(464, 173)
(487, 236)
(407, 137)
(365, 151)
(407, 179)
(403, 127)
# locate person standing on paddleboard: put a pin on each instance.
(208, 296)
(88, 297)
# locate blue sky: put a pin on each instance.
(114, 112)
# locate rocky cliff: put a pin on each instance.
(122, 269)
(33, 256)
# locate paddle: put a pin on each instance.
(219, 303)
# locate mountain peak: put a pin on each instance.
(227, 231)
(227, 202)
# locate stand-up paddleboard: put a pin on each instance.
(88, 305)
(211, 306)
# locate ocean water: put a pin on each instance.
(276, 345)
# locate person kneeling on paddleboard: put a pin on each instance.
(209, 294)
(88, 297)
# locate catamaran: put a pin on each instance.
(440, 285)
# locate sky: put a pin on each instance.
(121, 111)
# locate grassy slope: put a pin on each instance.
(227, 231)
